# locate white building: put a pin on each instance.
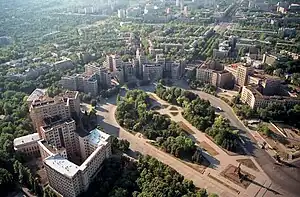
(70, 179)
(27, 144)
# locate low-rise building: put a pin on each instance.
(255, 99)
(27, 144)
(64, 64)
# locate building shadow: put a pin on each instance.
(110, 129)
(260, 185)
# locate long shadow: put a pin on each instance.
(110, 129)
(101, 109)
(289, 164)
(213, 161)
(258, 184)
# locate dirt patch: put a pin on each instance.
(199, 168)
(231, 174)
(174, 113)
(225, 184)
(173, 108)
(248, 163)
(165, 106)
(204, 145)
(186, 128)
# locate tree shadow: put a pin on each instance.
(212, 160)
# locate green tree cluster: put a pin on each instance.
(119, 144)
(133, 114)
(223, 135)
(197, 111)
(122, 177)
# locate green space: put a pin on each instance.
(122, 177)
(201, 114)
(133, 114)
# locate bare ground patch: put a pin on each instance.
(231, 175)
(248, 163)
(186, 128)
(173, 108)
(174, 113)
(204, 145)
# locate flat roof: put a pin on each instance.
(61, 165)
(97, 137)
(36, 94)
(26, 139)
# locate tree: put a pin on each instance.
(93, 102)
(263, 128)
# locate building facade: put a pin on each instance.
(28, 144)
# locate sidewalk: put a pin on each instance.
(220, 161)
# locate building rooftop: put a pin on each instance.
(70, 94)
(26, 139)
(55, 120)
(62, 165)
(36, 94)
(52, 149)
(97, 137)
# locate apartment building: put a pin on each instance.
(46, 107)
(69, 82)
(47, 150)
(255, 99)
(72, 100)
(60, 133)
(269, 59)
(64, 64)
(70, 179)
(36, 94)
(243, 72)
(212, 73)
(153, 71)
(28, 144)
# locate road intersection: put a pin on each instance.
(277, 178)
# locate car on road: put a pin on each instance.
(219, 108)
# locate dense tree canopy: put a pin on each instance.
(133, 113)
(121, 177)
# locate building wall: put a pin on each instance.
(69, 82)
(242, 75)
(44, 110)
(29, 149)
(68, 187)
(247, 97)
(204, 75)
(62, 135)
(152, 71)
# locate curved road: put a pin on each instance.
(285, 178)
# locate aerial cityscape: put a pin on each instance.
(150, 98)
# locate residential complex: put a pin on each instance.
(212, 72)
(253, 96)
(71, 155)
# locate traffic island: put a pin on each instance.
(238, 176)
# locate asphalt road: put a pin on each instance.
(285, 178)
